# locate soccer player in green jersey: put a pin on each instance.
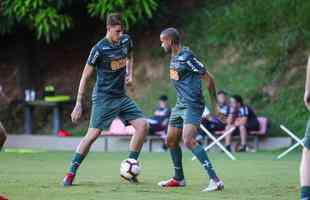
(112, 59)
(305, 161)
(186, 74)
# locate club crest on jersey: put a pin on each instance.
(174, 74)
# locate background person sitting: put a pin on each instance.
(243, 118)
(159, 121)
(217, 122)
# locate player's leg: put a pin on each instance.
(173, 143)
(2, 135)
(243, 137)
(305, 174)
(80, 153)
(174, 135)
(189, 132)
(129, 111)
(305, 166)
(191, 122)
(228, 138)
(102, 115)
(138, 137)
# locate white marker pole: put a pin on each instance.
(298, 142)
(217, 141)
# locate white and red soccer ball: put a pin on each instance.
(130, 168)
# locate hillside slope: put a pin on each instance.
(261, 58)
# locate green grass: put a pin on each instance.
(253, 176)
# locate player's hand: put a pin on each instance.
(76, 113)
(307, 100)
(237, 123)
(128, 80)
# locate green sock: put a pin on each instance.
(76, 162)
(176, 155)
(202, 156)
(305, 193)
(134, 155)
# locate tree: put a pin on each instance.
(49, 19)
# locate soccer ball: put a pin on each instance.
(130, 168)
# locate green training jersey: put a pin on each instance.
(110, 63)
(185, 74)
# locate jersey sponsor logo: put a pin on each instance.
(118, 64)
(174, 74)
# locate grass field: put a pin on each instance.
(254, 176)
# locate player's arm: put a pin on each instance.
(230, 119)
(209, 80)
(77, 111)
(129, 69)
(241, 121)
(197, 67)
(307, 86)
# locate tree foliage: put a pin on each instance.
(133, 11)
(49, 21)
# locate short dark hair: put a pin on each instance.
(238, 98)
(173, 34)
(114, 19)
(221, 92)
(163, 98)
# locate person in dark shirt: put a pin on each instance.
(219, 121)
(215, 122)
(243, 118)
(159, 121)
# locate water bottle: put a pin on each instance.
(33, 95)
(27, 95)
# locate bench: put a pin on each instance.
(119, 130)
(256, 135)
